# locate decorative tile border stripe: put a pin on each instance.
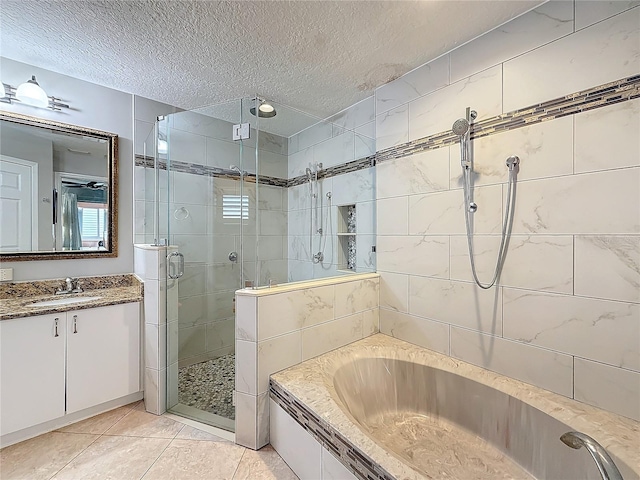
(205, 170)
(350, 456)
(596, 97)
(348, 167)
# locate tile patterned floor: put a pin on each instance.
(130, 444)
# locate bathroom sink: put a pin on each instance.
(62, 301)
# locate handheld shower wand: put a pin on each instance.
(462, 128)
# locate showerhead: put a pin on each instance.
(460, 127)
(236, 169)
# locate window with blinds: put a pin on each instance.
(235, 207)
(93, 223)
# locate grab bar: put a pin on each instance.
(607, 468)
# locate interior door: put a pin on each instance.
(18, 217)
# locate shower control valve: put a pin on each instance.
(473, 207)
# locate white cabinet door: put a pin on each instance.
(103, 354)
(31, 371)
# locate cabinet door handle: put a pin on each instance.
(55, 328)
(75, 322)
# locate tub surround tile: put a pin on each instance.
(526, 32)
(545, 150)
(276, 354)
(332, 469)
(537, 366)
(419, 331)
(392, 127)
(246, 318)
(301, 394)
(394, 292)
(419, 173)
(442, 213)
(246, 367)
(608, 267)
(280, 314)
(421, 81)
(536, 262)
(600, 330)
(614, 389)
(557, 205)
(615, 123)
(459, 303)
(246, 420)
(609, 44)
(331, 335)
(435, 112)
(418, 255)
(354, 297)
(289, 439)
(588, 13)
(370, 322)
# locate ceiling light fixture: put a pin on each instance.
(30, 93)
(265, 110)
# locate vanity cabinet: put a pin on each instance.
(32, 369)
(58, 364)
(103, 355)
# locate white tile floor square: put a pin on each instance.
(130, 444)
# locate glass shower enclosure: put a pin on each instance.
(207, 207)
(288, 198)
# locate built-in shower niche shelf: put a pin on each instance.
(347, 238)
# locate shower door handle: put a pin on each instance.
(171, 268)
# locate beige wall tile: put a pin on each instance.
(331, 335)
(456, 303)
(354, 297)
(277, 354)
(419, 331)
(423, 255)
(600, 330)
(613, 389)
(618, 124)
(571, 60)
(394, 291)
(543, 368)
(608, 267)
(286, 312)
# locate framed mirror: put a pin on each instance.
(58, 190)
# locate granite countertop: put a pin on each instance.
(15, 298)
(311, 383)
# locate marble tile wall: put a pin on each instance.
(281, 327)
(346, 137)
(566, 315)
(160, 325)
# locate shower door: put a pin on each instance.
(207, 212)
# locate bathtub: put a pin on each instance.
(387, 409)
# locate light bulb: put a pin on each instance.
(266, 108)
(30, 93)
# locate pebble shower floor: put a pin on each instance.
(209, 386)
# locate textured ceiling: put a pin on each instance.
(316, 56)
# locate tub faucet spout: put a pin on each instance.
(607, 468)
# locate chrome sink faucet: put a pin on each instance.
(72, 287)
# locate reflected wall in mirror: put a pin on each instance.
(58, 190)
